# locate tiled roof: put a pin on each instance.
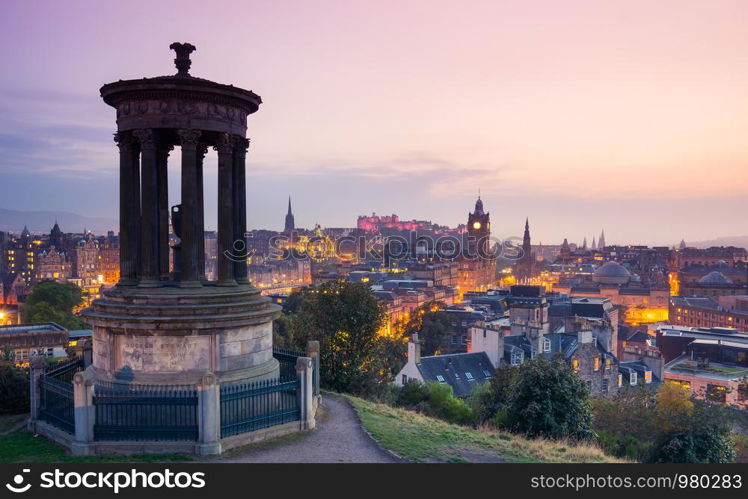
(462, 371)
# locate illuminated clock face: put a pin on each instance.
(476, 225)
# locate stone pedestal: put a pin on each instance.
(174, 335)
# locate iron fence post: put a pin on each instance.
(306, 401)
(209, 416)
(84, 413)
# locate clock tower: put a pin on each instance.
(478, 230)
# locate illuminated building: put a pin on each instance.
(52, 265)
(710, 363)
(708, 311)
(21, 254)
(712, 280)
(643, 303)
(477, 265)
(377, 224)
(709, 256)
(109, 259)
(25, 340)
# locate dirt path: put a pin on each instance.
(338, 438)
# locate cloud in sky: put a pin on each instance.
(630, 114)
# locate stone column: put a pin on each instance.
(36, 371)
(202, 149)
(312, 351)
(225, 211)
(240, 209)
(149, 216)
(129, 207)
(209, 416)
(304, 394)
(162, 159)
(85, 413)
(189, 208)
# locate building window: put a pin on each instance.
(596, 364)
(469, 376)
(575, 365)
(516, 358)
(487, 374)
(716, 393)
(405, 379)
(647, 376)
(605, 385)
(620, 380)
(440, 378)
(546, 345)
(608, 363)
(632, 379)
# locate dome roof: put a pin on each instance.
(612, 273)
(612, 269)
(715, 277)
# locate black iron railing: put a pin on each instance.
(65, 371)
(56, 405)
(145, 412)
(287, 361)
(252, 406)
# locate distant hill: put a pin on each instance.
(738, 241)
(42, 221)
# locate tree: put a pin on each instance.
(663, 425)
(491, 400)
(345, 318)
(432, 325)
(51, 301)
(550, 400)
(702, 435)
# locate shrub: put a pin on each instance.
(436, 400)
(14, 389)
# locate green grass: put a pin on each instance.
(418, 438)
(21, 446)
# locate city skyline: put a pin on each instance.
(564, 115)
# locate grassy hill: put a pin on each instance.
(422, 439)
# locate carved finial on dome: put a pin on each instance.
(182, 62)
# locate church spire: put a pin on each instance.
(290, 224)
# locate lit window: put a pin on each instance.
(647, 376)
(575, 365)
(516, 358)
(597, 364)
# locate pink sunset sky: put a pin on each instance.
(626, 115)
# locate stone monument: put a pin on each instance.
(167, 325)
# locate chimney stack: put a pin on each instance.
(414, 349)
